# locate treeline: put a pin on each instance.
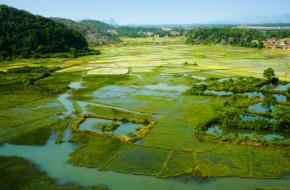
(233, 36)
(277, 34)
(24, 35)
(135, 32)
(224, 36)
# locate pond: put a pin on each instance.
(258, 107)
(253, 118)
(52, 159)
(214, 130)
(160, 89)
(280, 97)
(254, 94)
(76, 85)
(94, 124)
(282, 87)
(219, 93)
(166, 87)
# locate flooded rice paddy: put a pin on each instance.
(53, 159)
(170, 149)
(95, 124)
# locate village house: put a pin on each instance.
(277, 43)
(174, 33)
(270, 42)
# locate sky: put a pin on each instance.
(155, 11)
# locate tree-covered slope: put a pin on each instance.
(101, 26)
(96, 32)
(24, 35)
(232, 36)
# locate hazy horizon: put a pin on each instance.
(150, 12)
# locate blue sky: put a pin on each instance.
(155, 11)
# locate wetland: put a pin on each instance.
(137, 115)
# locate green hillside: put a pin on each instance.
(96, 32)
(25, 35)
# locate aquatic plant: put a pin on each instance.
(110, 126)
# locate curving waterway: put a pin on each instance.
(53, 158)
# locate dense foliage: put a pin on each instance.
(95, 32)
(232, 36)
(24, 35)
(101, 26)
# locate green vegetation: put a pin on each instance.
(24, 35)
(269, 74)
(174, 139)
(241, 37)
(137, 32)
(233, 36)
(95, 32)
(235, 113)
(110, 127)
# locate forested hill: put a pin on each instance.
(24, 35)
(232, 36)
(101, 26)
(96, 32)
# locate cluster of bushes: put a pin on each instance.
(230, 117)
(239, 85)
(236, 85)
(257, 124)
(110, 126)
(197, 89)
(256, 140)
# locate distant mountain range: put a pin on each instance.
(281, 19)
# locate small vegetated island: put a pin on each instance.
(88, 105)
